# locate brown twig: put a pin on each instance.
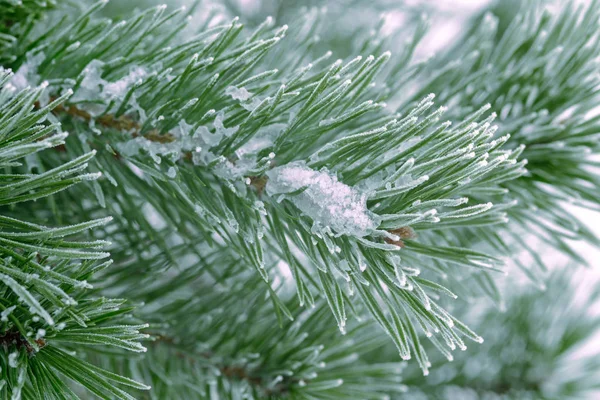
(12, 337)
(123, 123)
(405, 232)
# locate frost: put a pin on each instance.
(212, 139)
(251, 105)
(40, 334)
(198, 142)
(242, 94)
(327, 201)
(185, 141)
(91, 83)
(119, 88)
(94, 87)
(260, 207)
(172, 172)
(12, 359)
(27, 74)
(247, 154)
(220, 128)
(238, 93)
(263, 139)
(4, 315)
(17, 389)
(207, 137)
(156, 150)
(136, 107)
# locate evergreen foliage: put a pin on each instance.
(196, 209)
(533, 352)
(538, 77)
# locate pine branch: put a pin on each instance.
(304, 358)
(325, 106)
(45, 307)
(16, 19)
(241, 168)
(537, 77)
(532, 351)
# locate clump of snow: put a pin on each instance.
(252, 104)
(196, 142)
(92, 82)
(172, 172)
(155, 150)
(12, 359)
(238, 93)
(329, 202)
(243, 95)
(220, 129)
(27, 74)
(118, 89)
(213, 139)
(4, 315)
(94, 87)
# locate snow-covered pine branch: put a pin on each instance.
(274, 220)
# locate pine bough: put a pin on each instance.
(240, 168)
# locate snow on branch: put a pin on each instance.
(322, 197)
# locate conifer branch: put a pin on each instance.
(261, 201)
